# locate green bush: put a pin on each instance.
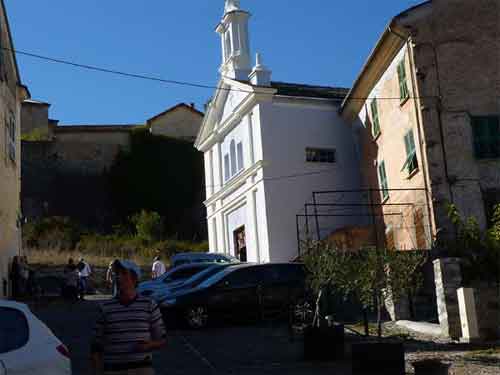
(148, 226)
(51, 232)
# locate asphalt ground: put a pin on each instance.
(251, 349)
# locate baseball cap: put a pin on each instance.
(130, 266)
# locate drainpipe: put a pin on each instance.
(419, 123)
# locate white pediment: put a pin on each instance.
(227, 101)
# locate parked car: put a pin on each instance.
(241, 291)
(27, 346)
(185, 258)
(172, 278)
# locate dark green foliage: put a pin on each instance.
(369, 275)
(148, 226)
(50, 232)
(163, 175)
(478, 250)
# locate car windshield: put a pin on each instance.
(201, 277)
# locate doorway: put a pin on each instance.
(240, 245)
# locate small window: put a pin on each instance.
(227, 167)
(14, 330)
(320, 155)
(375, 118)
(486, 134)
(382, 175)
(232, 150)
(411, 162)
(403, 85)
(239, 152)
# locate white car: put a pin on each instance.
(27, 346)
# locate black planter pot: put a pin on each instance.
(378, 358)
(324, 343)
(431, 367)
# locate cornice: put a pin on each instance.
(234, 184)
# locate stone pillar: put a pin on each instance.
(468, 315)
(448, 279)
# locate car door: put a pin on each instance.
(3, 369)
(235, 296)
(14, 338)
(280, 284)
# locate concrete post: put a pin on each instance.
(468, 315)
(448, 279)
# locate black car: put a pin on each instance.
(238, 292)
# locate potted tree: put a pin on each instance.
(323, 338)
(381, 274)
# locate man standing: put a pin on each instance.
(129, 328)
(84, 272)
(158, 267)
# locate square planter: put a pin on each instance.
(324, 343)
(378, 358)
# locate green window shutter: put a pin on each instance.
(486, 134)
(411, 162)
(384, 185)
(403, 86)
(375, 118)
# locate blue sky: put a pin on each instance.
(322, 42)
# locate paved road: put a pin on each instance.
(264, 349)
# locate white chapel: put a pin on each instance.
(268, 146)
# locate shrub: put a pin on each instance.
(148, 226)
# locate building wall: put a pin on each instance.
(10, 171)
(289, 126)
(406, 226)
(34, 118)
(181, 123)
(457, 54)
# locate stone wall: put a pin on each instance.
(487, 298)
(181, 122)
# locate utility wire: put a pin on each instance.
(163, 80)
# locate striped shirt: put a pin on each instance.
(120, 328)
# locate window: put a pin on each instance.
(239, 152)
(227, 43)
(320, 155)
(227, 170)
(411, 162)
(403, 86)
(232, 151)
(375, 119)
(486, 135)
(382, 175)
(14, 330)
(10, 136)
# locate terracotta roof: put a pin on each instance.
(180, 105)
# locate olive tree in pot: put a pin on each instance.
(383, 274)
(326, 266)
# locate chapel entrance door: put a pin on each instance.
(240, 246)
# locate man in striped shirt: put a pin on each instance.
(128, 330)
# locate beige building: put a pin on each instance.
(182, 121)
(429, 130)
(12, 93)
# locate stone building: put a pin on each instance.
(64, 166)
(429, 130)
(182, 121)
(12, 93)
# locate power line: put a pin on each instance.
(164, 80)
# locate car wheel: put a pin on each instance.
(197, 317)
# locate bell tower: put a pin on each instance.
(235, 41)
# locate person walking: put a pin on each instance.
(70, 289)
(84, 272)
(111, 278)
(129, 328)
(158, 268)
(15, 277)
